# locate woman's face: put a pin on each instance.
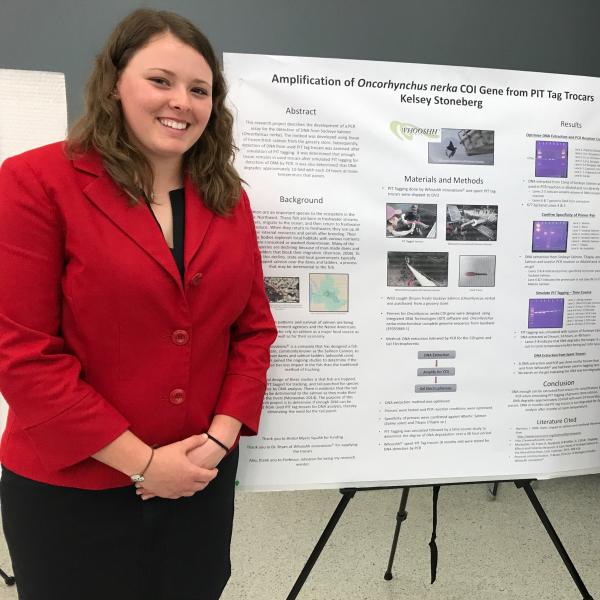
(166, 97)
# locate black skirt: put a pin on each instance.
(71, 544)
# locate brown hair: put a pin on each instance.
(101, 127)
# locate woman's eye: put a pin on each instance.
(199, 91)
(159, 80)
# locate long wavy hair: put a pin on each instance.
(101, 127)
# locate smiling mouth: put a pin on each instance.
(172, 124)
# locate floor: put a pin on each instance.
(492, 549)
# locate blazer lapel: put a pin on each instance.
(134, 221)
(197, 221)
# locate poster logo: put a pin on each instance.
(408, 131)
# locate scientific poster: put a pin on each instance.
(431, 247)
(33, 112)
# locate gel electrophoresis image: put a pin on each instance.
(545, 313)
(551, 158)
(550, 236)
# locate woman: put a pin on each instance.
(134, 331)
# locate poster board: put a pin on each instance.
(430, 240)
(33, 112)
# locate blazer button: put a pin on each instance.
(196, 279)
(180, 337)
(177, 396)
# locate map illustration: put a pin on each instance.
(328, 292)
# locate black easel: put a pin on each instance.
(348, 494)
(8, 579)
(493, 489)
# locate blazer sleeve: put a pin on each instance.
(66, 419)
(252, 334)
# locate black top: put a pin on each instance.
(177, 199)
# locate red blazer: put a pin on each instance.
(97, 332)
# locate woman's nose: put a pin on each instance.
(179, 100)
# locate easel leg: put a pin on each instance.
(400, 517)
(8, 579)
(526, 485)
(347, 495)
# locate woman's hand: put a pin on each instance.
(172, 474)
(225, 429)
(209, 455)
